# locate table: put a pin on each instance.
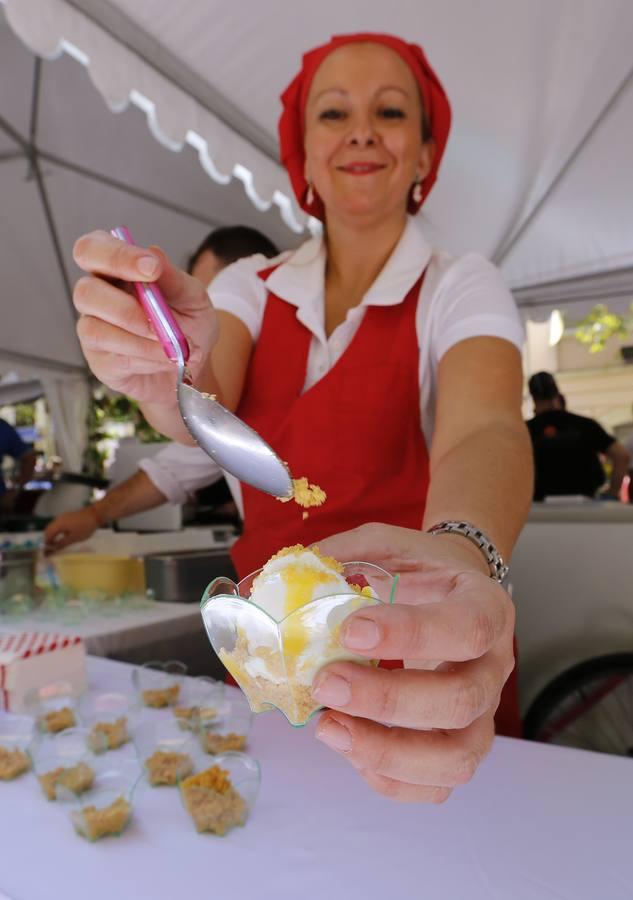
(536, 823)
(105, 635)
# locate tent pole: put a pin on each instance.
(126, 188)
(35, 106)
(35, 171)
(10, 155)
(10, 131)
(52, 230)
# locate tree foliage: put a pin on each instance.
(600, 325)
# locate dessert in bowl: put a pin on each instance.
(276, 628)
(106, 715)
(16, 737)
(158, 684)
(221, 796)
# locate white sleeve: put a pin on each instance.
(472, 300)
(178, 471)
(238, 289)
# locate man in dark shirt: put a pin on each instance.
(11, 444)
(567, 447)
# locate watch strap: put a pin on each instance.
(498, 569)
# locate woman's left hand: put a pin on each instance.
(415, 734)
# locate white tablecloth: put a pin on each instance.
(104, 635)
(536, 823)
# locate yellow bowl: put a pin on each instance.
(101, 572)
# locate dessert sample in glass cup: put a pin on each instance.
(54, 706)
(16, 737)
(106, 808)
(222, 795)
(201, 701)
(63, 763)
(106, 715)
(228, 731)
(276, 628)
(165, 751)
(158, 684)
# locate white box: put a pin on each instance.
(30, 660)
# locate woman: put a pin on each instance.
(387, 372)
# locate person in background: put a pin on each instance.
(176, 471)
(567, 447)
(11, 444)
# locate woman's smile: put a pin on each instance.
(361, 168)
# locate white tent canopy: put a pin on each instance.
(538, 174)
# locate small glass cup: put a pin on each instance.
(55, 706)
(158, 684)
(16, 737)
(223, 795)
(201, 701)
(106, 715)
(166, 752)
(105, 810)
(275, 661)
(63, 761)
(230, 730)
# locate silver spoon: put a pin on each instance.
(230, 442)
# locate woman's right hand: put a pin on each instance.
(116, 338)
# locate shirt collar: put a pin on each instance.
(300, 279)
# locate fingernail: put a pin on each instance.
(332, 690)
(360, 634)
(335, 735)
(147, 265)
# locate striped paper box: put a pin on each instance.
(31, 659)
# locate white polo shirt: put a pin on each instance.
(461, 298)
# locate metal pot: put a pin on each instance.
(181, 577)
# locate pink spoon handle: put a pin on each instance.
(157, 310)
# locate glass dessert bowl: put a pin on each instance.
(16, 737)
(278, 626)
(63, 763)
(221, 796)
(201, 702)
(166, 753)
(106, 715)
(106, 808)
(54, 706)
(158, 684)
(228, 731)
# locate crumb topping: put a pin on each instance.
(305, 494)
(328, 561)
(214, 779)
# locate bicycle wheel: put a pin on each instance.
(588, 706)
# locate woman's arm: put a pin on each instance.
(481, 456)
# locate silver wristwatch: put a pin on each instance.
(498, 569)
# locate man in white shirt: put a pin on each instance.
(176, 471)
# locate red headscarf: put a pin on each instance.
(291, 123)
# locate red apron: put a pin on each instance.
(356, 432)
